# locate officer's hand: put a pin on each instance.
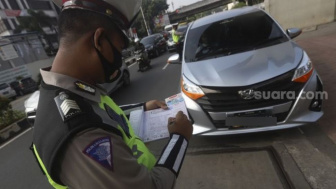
(180, 125)
(155, 104)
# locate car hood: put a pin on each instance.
(245, 68)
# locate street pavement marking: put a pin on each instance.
(11, 140)
(132, 64)
(165, 66)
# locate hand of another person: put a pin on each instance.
(180, 125)
(155, 104)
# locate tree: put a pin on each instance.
(150, 9)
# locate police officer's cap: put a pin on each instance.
(122, 12)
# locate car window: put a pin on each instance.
(3, 86)
(233, 35)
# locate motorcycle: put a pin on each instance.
(142, 61)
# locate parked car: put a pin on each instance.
(124, 80)
(242, 73)
(6, 91)
(24, 86)
(154, 44)
(16, 86)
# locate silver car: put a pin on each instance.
(242, 73)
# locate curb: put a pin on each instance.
(13, 130)
(129, 61)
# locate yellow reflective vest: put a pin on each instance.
(176, 38)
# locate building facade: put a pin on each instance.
(10, 10)
(22, 52)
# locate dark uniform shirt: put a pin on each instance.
(80, 168)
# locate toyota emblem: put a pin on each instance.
(247, 94)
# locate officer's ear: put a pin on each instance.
(98, 37)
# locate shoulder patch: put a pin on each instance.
(67, 107)
(85, 87)
(100, 151)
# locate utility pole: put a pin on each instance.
(143, 16)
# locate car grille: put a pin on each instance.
(227, 99)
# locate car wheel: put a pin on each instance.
(126, 79)
(21, 93)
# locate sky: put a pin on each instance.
(179, 3)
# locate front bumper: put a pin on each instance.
(296, 113)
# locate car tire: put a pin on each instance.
(126, 79)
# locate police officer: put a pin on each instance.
(82, 139)
(176, 38)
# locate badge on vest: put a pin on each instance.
(85, 87)
(67, 107)
(100, 151)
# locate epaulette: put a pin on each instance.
(67, 105)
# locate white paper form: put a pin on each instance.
(152, 125)
(156, 124)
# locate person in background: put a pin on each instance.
(176, 38)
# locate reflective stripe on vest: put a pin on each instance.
(175, 37)
(139, 149)
(53, 183)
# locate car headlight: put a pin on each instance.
(190, 89)
(304, 71)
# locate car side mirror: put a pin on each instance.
(293, 32)
(174, 59)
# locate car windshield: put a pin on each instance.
(3, 86)
(233, 35)
(148, 40)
